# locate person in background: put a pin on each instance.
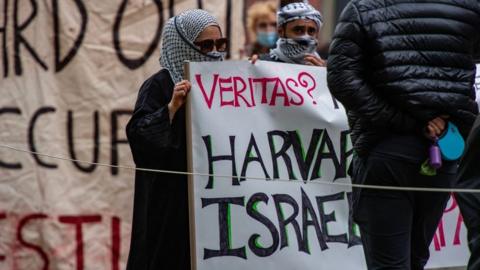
(402, 71)
(157, 137)
(262, 27)
(299, 25)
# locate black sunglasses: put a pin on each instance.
(208, 45)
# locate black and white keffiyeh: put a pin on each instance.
(178, 35)
(300, 10)
(293, 50)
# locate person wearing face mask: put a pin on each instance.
(262, 27)
(299, 24)
(157, 137)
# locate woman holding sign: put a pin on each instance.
(156, 133)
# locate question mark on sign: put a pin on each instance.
(305, 83)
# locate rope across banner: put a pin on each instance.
(338, 184)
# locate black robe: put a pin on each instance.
(160, 230)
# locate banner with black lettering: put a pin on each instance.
(70, 71)
(270, 148)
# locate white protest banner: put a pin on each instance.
(70, 73)
(271, 138)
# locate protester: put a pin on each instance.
(299, 26)
(156, 132)
(469, 203)
(262, 27)
(402, 71)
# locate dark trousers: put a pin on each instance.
(469, 205)
(469, 177)
(470, 208)
(397, 227)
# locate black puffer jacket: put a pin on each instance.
(396, 64)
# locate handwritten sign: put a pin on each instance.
(273, 91)
(267, 139)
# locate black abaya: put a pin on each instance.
(160, 230)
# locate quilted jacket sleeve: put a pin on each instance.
(347, 77)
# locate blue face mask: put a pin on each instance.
(267, 39)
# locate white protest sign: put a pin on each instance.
(278, 136)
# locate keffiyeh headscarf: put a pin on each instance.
(178, 35)
(296, 11)
(293, 50)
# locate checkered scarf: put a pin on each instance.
(300, 10)
(179, 34)
(288, 50)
